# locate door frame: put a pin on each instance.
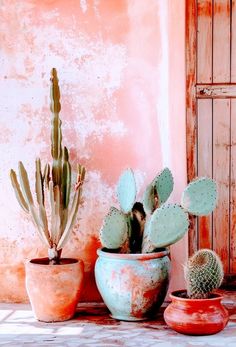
(191, 104)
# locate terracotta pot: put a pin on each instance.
(133, 286)
(54, 290)
(196, 316)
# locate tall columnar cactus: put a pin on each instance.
(144, 227)
(203, 274)
(54, 183)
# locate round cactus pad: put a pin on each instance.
(148, 199)
(164, 185)
(200, 196)
(168, 224)
(126, 190)
(114, 231)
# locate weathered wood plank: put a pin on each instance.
(232, 254)
(221, 41)
(221, 162)
(205, 164)
(233, 190)
(233, 41)
(191, 35)
(216, 91)
(204, 41)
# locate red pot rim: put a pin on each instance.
(174, 296)
(137, 256)
(45, 262)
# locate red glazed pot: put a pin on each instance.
(54, 290)
(196, 316)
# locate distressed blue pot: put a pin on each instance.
(133, 286)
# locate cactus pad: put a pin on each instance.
(126, 190)
(168, 224)
(200, 196)
(148, 199)
(114, 231)
(164, 185)
(203, 273)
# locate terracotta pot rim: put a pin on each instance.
(174, 296)
(136, 256)
(43, 262)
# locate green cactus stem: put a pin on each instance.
(203, 273)
(137, 224)
(72, 213)
(56, 135)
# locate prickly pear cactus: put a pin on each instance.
(114, 231)
(150, 225)
(126, 190)
(164, 184)
(200, 196)
(167, 225)
(203, 273)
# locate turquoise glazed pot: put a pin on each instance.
(133, 286)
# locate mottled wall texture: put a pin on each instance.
(121, 70)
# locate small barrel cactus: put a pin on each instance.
(203, 273)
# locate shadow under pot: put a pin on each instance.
(133, 286)
(196, 316)
(54, 290)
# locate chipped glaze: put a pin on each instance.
(133, 286)
(54, 290)
(196, 316)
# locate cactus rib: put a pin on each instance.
(66, 178)
(39, 182)
(46, 175)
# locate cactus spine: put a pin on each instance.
(56, 181)
(203, 274)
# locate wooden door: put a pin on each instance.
(211, 119)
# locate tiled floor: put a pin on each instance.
(92, 327)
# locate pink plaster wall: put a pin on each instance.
(122, 78)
